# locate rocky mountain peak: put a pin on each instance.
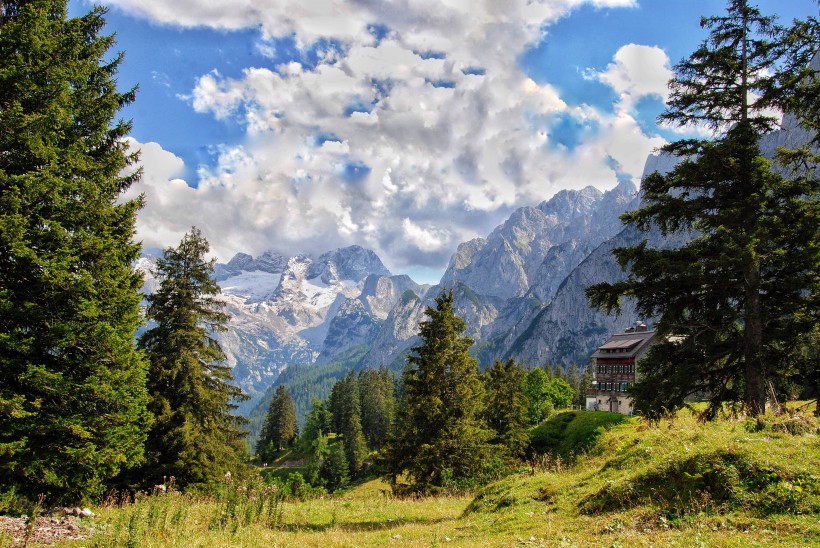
(242, 261)
(271, 262)
(347, 263)
(570, 203)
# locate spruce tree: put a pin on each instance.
(732, 303)
(279, 429)
(319, 453)
(195, 437)
(319, 421)
(335, 468)
(506, 408)
(377, 395)
(441, 438)
(72, 385)
(347, 422)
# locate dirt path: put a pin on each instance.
(49, 530)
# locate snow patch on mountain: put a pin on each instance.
(252, 286)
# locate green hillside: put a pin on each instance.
(731, 482)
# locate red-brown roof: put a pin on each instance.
(625, 345)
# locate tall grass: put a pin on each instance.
(675, 483)
(166, 514)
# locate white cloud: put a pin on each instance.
(440, 156)
(425, 239)
(638, 71)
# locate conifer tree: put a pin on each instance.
(506, 409)
(72, 385)
(441, 437)
(347, 422)
(377, 393)
(335, 468)
(279, 429)
(319, 453)
(733, 302)
(195, 437)
(585, 385)
(319, 421)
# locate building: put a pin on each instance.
(614, 369)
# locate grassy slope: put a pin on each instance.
(679, 483)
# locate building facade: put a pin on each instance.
(614, 369)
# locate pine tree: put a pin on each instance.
(319, 421)
(578, 382)
(335, 468)
(506, 408)
(733, 301)
(195, 438)
(585, 385)
(72, 386)
(441, 437)
(347, 422)
(377, 394)
(279, 429)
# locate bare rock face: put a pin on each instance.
(349, 263)
(398, 333)
(381, 293)
(500, 283)
(352, 326)
(504, 265)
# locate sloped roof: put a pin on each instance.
(625, 345)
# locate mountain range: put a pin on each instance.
(310, 311)
(521, 291)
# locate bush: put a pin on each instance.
(569, 434)
(718, 481)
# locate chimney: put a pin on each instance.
(640, 327)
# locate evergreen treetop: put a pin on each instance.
(72, 386)
(279, 429)
(441, 440)
(196, 437)
(506, 407)
(732, 303)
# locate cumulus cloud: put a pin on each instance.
(407, 141)
(638, 71)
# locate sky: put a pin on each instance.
(403, 126)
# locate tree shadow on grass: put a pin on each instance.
(360, 526)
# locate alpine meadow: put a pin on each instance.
(541, 272)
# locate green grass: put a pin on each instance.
(572, 433)
(676, 483)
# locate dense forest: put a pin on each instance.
(442, 423)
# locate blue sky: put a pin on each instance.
(406, 127)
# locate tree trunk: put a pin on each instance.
(755, 398)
